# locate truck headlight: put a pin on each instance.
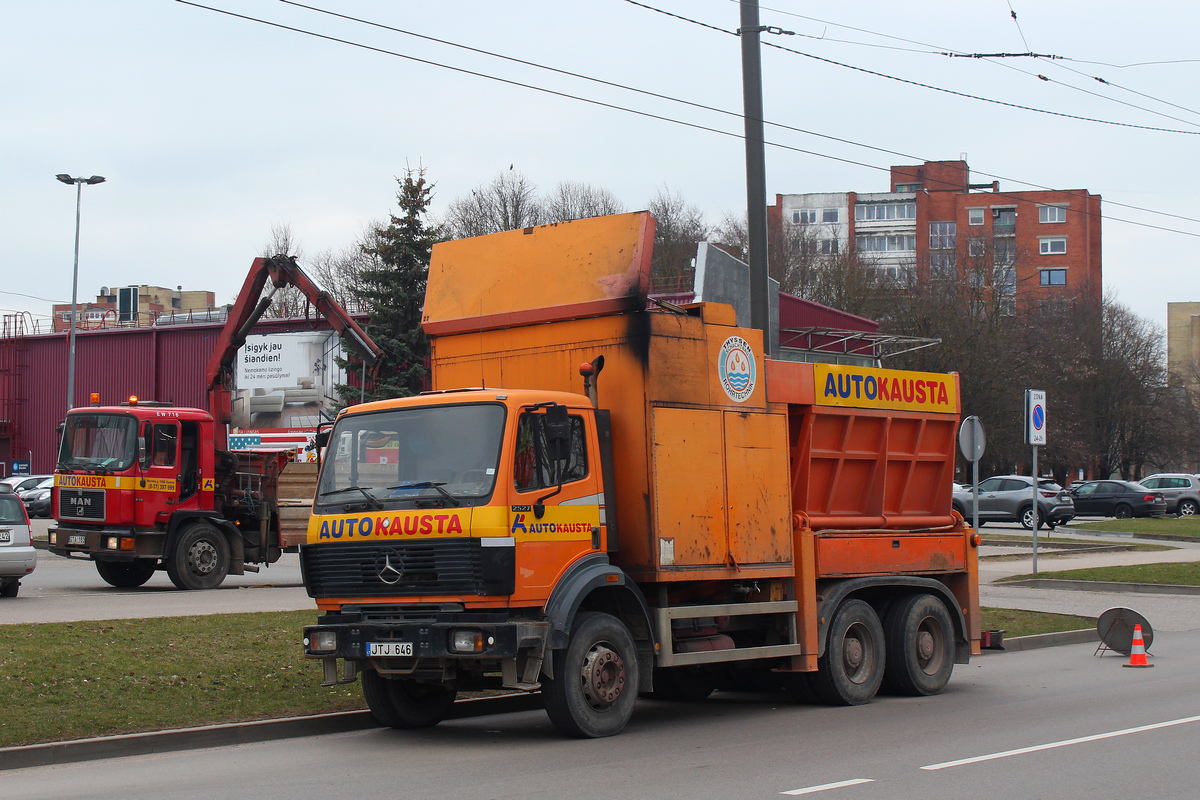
(321, 641)
(466, 642)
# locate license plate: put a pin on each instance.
(5, 536)
(385, 649)
(76, 538)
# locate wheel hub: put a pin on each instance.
(202, 558)
(852, 654)
(603, 676)
(924, 646)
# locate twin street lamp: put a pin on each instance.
(79, 182)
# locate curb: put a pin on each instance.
(1103, 586)
(1039, 640)
(140, 744)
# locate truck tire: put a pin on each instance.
(200, 559)
(684, 684)
(125, 575)
(406, 704)
(850, 671)
(595, 684)
(919, 635)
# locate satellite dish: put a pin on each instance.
(1115, 627)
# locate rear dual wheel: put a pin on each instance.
(920, 646)
(851, 670)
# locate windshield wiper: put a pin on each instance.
(454, 501)
(372, 500)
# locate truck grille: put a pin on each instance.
(81, 504)
(390, 569)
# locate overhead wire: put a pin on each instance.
(991, 58)
(649, 115)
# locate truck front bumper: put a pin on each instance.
(107, 543)
(426, 647)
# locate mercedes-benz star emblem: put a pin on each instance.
(389, 567)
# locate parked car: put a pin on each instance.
(1006, 498)
(19, 483)
(37, 499)
(1181, 491)
(17, 554)
(1120, 499)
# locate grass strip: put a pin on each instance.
(1015, 622)
(1174, 526)
(1185, 573)
(73, 680)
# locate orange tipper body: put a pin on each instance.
(646, 469)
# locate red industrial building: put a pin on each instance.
(163, 363)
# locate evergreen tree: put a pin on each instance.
(392, 291)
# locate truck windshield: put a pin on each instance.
(439, 455)
(98, 441)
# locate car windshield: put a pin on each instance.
(445, 455)
(98, 441)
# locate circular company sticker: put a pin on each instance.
(737, 369)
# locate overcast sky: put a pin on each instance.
(212, 129)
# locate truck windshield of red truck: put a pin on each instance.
(98, 441)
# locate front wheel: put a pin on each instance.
(920, 646)
(595, 683)
(850, 671)
(200, 559)
(1123, 512)
(406, 704)
(125, 575)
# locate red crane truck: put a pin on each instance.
(702, 514)
(143, 486)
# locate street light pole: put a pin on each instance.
(79, 182)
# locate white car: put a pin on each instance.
(17, 554)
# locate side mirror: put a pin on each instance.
(321, 439)
(143, 456)
(558, 433)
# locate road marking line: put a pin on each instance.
(1081, 740)
(825, 786)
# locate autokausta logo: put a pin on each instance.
(737, 369)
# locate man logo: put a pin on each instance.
(389, 567)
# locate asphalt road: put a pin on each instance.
(69, 589)
(1083, 726)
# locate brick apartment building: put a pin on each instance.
(1033, 247)
(136, 306)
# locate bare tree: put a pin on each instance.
(288, 301)
(572, 200)
(509, 201)
(680, 228)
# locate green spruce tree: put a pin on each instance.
(392, 291)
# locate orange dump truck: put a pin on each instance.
(695, 516)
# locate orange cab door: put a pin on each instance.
(568, 526)
(156, 493)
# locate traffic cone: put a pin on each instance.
(1137, 654)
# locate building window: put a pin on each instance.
(1004, 221)
(830, 215)
(1004, 252)
(941, 235)
(974, 216)
(876, 211)
(829, 247)
(1052, 214)
(804, 216)
(942, 265)
(1054, 277)
(1052, 246)
(977, 247)
(881, 244)
(905, 188)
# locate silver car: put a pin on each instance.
(1007, 498)
(1181, 491)
(17, 554)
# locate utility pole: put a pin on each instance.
(756, 171)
